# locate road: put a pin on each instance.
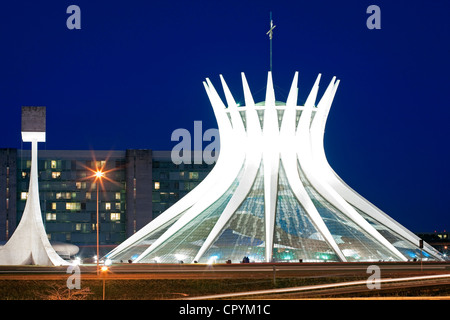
(250, 270)
(425, 274)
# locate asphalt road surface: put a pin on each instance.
(242, 270)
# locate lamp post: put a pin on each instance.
(104, 271)
(98, 176)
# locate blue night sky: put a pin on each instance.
(133, 74)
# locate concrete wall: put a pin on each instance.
(139, 188)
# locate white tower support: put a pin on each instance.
(29, 243)
(272, 195)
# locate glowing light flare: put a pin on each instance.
(99, 174)
(212, 260)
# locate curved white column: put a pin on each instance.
(317, 178)
(226, 175)
(227, 142)
(346, 192)
(271, 159)
(251, 146)
(29, 243)
(289, 158)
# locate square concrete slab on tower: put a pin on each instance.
(33, 124)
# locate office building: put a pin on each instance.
(138, 185)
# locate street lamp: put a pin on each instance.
(104, 271)
(98, 176)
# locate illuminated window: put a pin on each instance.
(53, 164)
(156, 185)
(56, 175)
(117, 195)
(73, 206)
(108, 206)
(78, 226)
(100, 164)
(117, 205)
(193, 175)
(115, 216)
(88, 195)
(80, 185)
(53, 205)
(24, 174)
(50, 216)
(23, 195)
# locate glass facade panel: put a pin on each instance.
(244, 234)
(408, 249)
(136, 249)
(354, 242)
(295, 236)
(185, 243)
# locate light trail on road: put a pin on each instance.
(316, 287)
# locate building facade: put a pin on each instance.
(138, 186)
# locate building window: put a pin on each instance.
(53, 164)
(115, 216)
(117, 205)
(99, 164)
(193, 175)
(50, 216)
(80, 185)
(23, 195)
(108, 206)
(117, 195)
(88, 196)
(156, 185)
(73, 206)
(53, 205)
(78, 226)
(24, 174)
(56, 175)
(164, 196)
